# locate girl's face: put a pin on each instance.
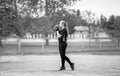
(62, 24)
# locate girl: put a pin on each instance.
(62, 38)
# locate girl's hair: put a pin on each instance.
(65, 25)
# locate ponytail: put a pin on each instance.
(66, 26)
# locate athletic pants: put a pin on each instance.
(62, 51)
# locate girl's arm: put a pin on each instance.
(58, 34)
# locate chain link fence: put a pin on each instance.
(37, 45)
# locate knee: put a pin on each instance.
(63, 56)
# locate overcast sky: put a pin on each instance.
(105, 7)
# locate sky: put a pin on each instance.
(105, 7)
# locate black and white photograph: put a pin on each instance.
(59, 37)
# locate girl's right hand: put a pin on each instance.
(58, 35)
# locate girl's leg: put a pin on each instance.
(62, 54)
(62, 50)
(62, 57)
(66, 58)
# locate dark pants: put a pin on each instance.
(62, 50)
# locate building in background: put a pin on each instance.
(81, 32)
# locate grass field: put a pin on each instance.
(33, 59)
(48, 65)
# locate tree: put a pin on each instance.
(73, 18)
(31, 8)
(103, 22)
(117, 27)
(9, 22)
(111, 26)
(70, 18)
(34, 8)
(52, 6)
(80, 20)
(89, 16)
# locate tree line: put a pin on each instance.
(18, 17)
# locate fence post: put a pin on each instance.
(83, 44)
(118, 41)
(89, 41)
(19, 46)
(3, 42)
(100, 44)
(43, 45)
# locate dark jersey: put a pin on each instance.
(63, 37)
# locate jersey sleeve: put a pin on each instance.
(63, 33)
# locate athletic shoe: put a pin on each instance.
(62, 68)
(72, 66)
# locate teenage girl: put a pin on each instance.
(62, 33)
